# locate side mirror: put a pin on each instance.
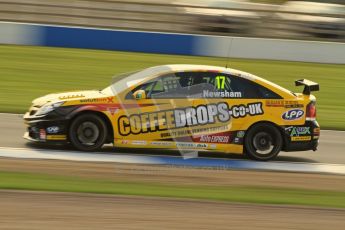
(139, 94)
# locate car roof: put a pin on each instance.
(184, 68)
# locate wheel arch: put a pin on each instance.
(280, 128)
(103, 116)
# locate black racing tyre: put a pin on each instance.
(88, 132)
(263, 142)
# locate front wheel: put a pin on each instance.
(88, 132)
(263, 142)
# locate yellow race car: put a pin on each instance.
(183, 107)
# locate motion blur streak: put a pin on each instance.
(301, 190)
(85, 211)
(313, 20)
(172, 43)
(176, 161)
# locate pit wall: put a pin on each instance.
(169, 43)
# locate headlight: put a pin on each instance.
(48, 108)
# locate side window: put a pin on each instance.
(229, 86)
(203, 85)
(166, 86)
(252, 90)
(182, 85)
(219, 85)
(222, 82)
(147, 87)
(268, 94)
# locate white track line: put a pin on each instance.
(213, 163)
(14, 114)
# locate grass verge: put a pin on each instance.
(29, 72)
(262, 195)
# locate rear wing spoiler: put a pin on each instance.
(309, 86)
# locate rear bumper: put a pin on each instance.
(302, 138)
(302, 146)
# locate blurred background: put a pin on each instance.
(36, 60)
(305, 20)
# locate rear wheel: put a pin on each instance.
(263, 142)
(88, 132)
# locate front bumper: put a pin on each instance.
(294, 141)
(46, 128)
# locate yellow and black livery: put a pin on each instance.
(193, 107)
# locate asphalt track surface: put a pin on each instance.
(331, 148)
(40, 210)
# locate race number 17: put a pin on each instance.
(220, 82)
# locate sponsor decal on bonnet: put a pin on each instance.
(98, 100)
(72, 96)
